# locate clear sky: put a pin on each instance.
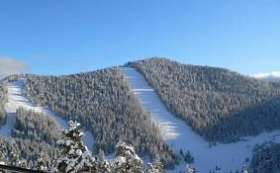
(70, 36)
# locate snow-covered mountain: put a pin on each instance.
(173, 130)
(180, 136)
(273, 76)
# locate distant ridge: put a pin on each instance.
(273, 76)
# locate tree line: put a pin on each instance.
(220, 105)
(72, 156)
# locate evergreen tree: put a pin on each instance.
(155, 167)
(75, 156)
(127, 160)
(244, 168)
(41, 164)
(189, 159)
(15, 161)
(189, 169)
(103, 166)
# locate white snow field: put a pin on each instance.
(16, 100)
(179, 135)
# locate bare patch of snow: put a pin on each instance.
(88, 140)
(179, 135)
(275, 74)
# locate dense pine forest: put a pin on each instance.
(25, 152)
(3, 100)
(220, 105)
(36, 127)
(104, 104)
(266, 158)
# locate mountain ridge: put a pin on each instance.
(205, 97)
(60, 93)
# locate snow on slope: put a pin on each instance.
(178, 135)
(273, 76)
(6, 130)
(16, 100)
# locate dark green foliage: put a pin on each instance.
(26, 150)
(266, 159)
(219, 104)
(189, 159)
(36, 127)
(102, 102)
(3, 100)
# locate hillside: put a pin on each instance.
(266, 158)
(103, 103)
(220, 105)
(35, 126)
(3, 99)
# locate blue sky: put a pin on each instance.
(71, 36)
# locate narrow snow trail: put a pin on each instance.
(179, 135)
(6, 129)
(16, 100)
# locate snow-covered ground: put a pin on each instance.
(273, 76)
(179, 135)
(16, 100)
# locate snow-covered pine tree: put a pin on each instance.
(189, 169)
(15, 161)
(126, 159)
(244, 168)
(3, 155)
(75, 157)
(41, 165)
(155, 167)
(103, 165)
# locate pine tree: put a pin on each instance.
(155, 167)
(244, 168)
(189, 169)
(3, 156)
(75, 156)
(189, 159)
(41, 164)
(127, 160)
(15, 161)
(103, 166)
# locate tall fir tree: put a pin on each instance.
(75, 155)
(155, 167)
(103, 166)
(126, 159)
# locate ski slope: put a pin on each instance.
(179, 135)
(16, 100)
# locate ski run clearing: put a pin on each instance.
(179, 135)
(16, 100)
